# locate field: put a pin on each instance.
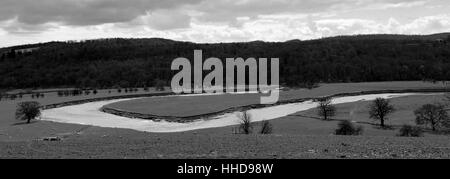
(197, 105)
(300, 135)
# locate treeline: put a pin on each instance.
(125, 63)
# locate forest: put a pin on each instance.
(114, 63)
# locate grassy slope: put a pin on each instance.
(294, 137)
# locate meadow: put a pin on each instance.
(186, 106)
(300, 135)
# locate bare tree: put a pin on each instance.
(28, 111)
(434, 115)
(380, 109)
(326, 109)
(245, 121)
(266, 127)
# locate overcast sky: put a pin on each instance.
(31, 21)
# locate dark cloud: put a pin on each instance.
(94, 12)
(37, 15)
(82, 12)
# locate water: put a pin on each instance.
(90, 114)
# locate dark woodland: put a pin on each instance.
(107, 63)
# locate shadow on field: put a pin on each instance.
(23, 123)
(377, 126)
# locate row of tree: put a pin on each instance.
(433, 115)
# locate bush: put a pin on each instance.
(410, 131)
(245, 126)
(347, 128)
(266, 128)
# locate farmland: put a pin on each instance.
(300, 135)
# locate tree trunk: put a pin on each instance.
(382, 122)
(433, 125)
(28, 120)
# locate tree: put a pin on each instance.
(266, 128)
(159, 85)
(326, 109)
(28, 111)
(434, 115)
(380, 109)
(245, 121)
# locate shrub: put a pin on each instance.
(347, 128)
(245, 121)
(266, 128)
(410, 131)
(28, 111)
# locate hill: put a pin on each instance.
(117, 62)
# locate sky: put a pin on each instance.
(212, 21)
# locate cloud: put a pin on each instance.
(216, 20)
(13, 26)
(165, 20)
(428, 24)
(82, 12)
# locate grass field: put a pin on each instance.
(196, 105)
(300, 135)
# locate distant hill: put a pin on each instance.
(122, 62)
(440, 36)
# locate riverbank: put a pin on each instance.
(90, 114)
(125, 108)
